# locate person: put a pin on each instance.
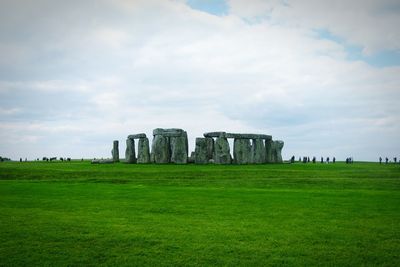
(380, 160)
(20, 159)
(322, 160)
(387, 160)
(292, 159)
(314, 159)
(327, 160)
(395, 160)
(334, 160)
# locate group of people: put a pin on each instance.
(387, 160)
(349, 160)
(313, 160)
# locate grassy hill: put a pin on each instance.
(75, 213)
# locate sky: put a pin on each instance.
(323, 76)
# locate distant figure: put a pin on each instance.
(308, 159)
(380, 160)
(395, 160)
(387, 160)
(314, 159)
(68, 159)
(334, 160)
(304, 159)
(322, 159)
(292, 159)
(299, 159)
(20, 159)
(327, 160)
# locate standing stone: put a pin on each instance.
(268, 151)
(273, 153)
(115, 151)
(201, 152)
(179, 149)
(221, 151)
(277, 151)
(242, 151)
(160, 149)
(143, 150)
(210, 148)
(130, 156)
(258, 151)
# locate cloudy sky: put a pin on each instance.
(324, 76)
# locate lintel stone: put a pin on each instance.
(173, 132)
(238, 135)
(137, 136)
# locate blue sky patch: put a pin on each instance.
(215, 7)
(379, 59)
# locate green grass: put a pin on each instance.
(59, 214)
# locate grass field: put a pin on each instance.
(58, 214)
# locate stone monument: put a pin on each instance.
(171, 146)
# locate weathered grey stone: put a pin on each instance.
(268, 151)
(222, 151)
(273, 153)
(201, 152)
(213, 134)
(115, 151)
(177, 142)
(277, 151)
(130, 156)
(172, 132)
(248, 136)
(239, 135)
(179, 149)
(210, 147)
(242, 151)
(143, 150)
(258, 151)
(137, 136)
(160, 149)
(204, 150)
